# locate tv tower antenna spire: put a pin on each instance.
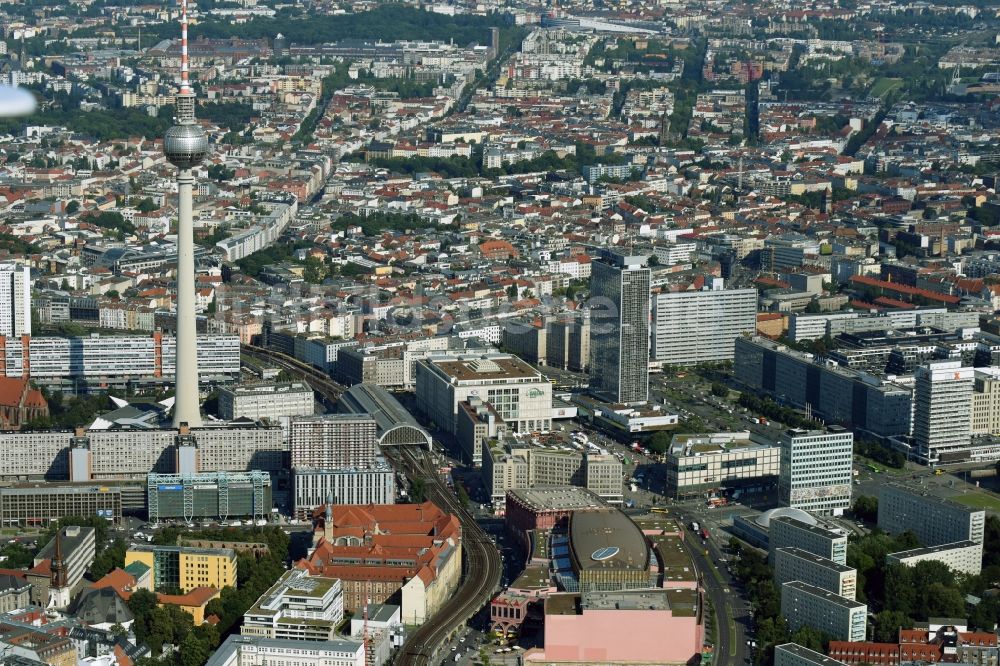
(185, 146)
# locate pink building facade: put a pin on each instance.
(653, 637)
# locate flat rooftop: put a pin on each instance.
(809, 656)
(534, 577)
(816, 559)
(558, 498)
(187, 550)
(813, 529)
(51, 489)
(692, 444)
(484, 368)
(677, 565)
(271, 389)
(932, 499)
(931, 550)
(832, 598)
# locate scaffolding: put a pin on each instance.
(215, 495)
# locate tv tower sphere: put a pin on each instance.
(185, 145)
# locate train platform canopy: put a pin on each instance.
(394, 425)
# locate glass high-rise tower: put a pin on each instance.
(619, 328)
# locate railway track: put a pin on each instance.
(319, 380)
(480, 559)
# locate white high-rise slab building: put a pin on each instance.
(15, 300)
(691, 327)
(942, 409)
(816, 469)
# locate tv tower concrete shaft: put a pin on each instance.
(185, 146)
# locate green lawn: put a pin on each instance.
(979, 500)
(883, 86)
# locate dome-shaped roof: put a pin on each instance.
(764, 519)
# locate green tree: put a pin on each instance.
(866, 507)
(720, 390)
(887, 625)
(193, 651)
(72, 207)
(146, 205)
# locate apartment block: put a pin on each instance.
(333, 441)
(807, 605)
(792, 564)
(964, 557)
(934, 520)
(786, 532)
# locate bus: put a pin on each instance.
(873, 468)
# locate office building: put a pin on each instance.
(965, 557)
(527, 340)
(389, 365)
(266, 401)
(15, 300)
(934, 520)
(186, 568)
(806, 605)
(942, 410)
(797, 564)
(316, 487)
(255, 651)
(568, 342)
(787, 532)
(299, 606)
(691, 327)
(816, 469)
(77, 547)
(476, 425)
(333, 441)
(378, 551)
(619, 328)
(985, 418)
(35, 505)
(521, 395)
(213, 495)
(793, 654)
(508, 466)
(836, 394)
(718, 463)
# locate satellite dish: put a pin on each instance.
(16, 102)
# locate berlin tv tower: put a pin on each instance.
(185, 145)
